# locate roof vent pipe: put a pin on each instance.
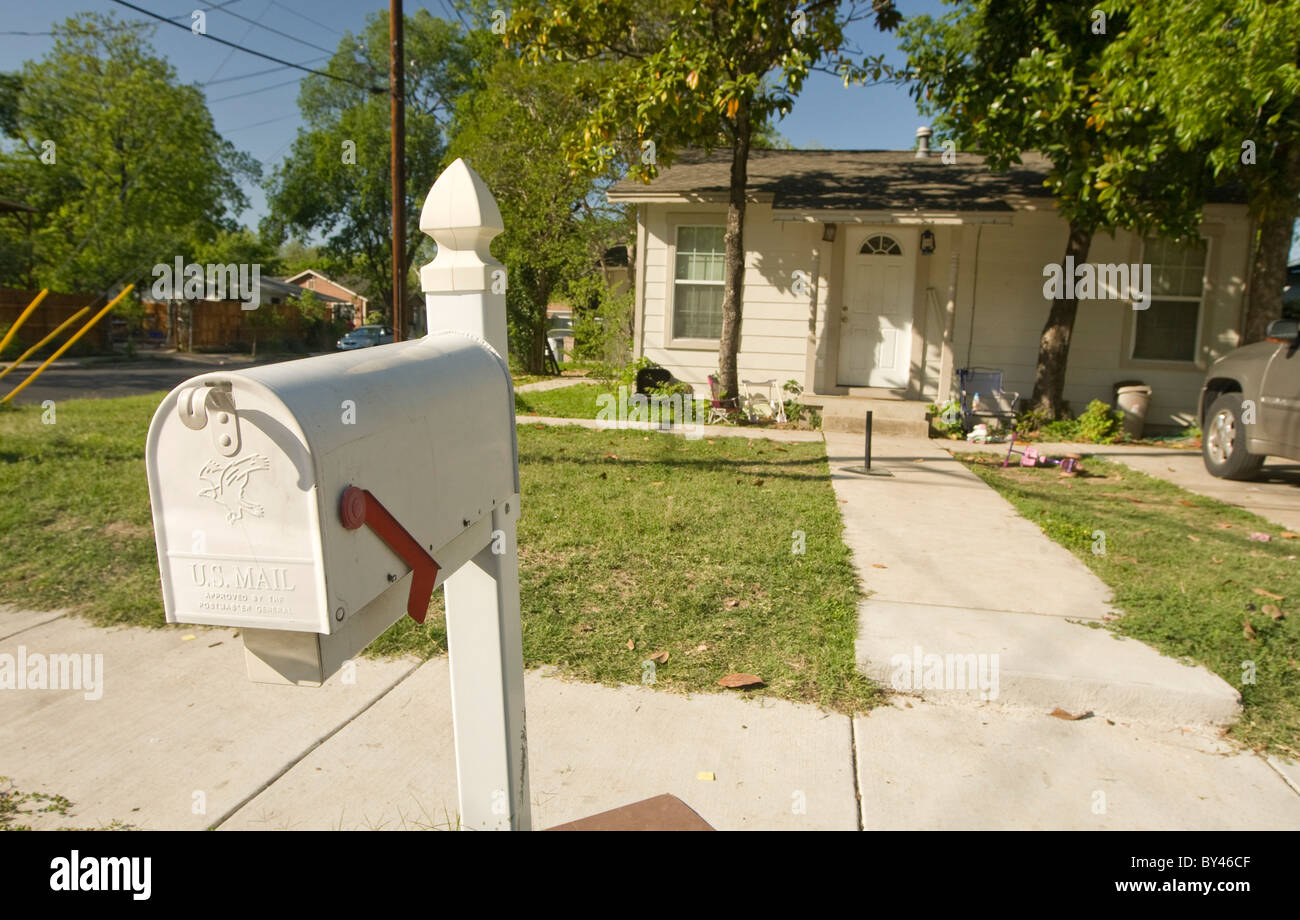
(923, 134)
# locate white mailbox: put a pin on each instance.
(248, 472)
(313, 503)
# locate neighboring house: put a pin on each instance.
(356, 307)
(871, 276)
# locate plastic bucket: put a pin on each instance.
(1134, 401)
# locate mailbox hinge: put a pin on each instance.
(359, 506)
(194, 404)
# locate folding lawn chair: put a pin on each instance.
(982, 397)
(720, 409)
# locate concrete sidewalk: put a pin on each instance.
(180, 739)
(955, 571)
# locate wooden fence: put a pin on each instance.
(54, 309)
(205, 325)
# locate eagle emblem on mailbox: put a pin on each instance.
(226, 481)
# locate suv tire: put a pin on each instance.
(1223, 441)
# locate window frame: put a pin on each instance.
(675, 225)
(1195, 361)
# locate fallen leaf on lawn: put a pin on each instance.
(656, 483)
(611, 456)
(660, 657)
(1248, 630)
(740, 681)
(1288, 535)
(705, 776)
(1194, 538)
(1183, 501)
(1222, 525)
(758, 482)
(710, 441)
(631, 644)
(1274, 611)
(877, 565)
(1259, 537)
(1262, 593)
(702, 647)
(731, 602)
(1062, 714)
(1215, 560)
(585, 627)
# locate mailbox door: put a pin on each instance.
(237, 524)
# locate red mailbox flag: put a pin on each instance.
(357, 507)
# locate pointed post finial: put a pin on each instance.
(464, 286)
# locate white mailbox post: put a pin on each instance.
(313, 503)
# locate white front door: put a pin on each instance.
(876, 315)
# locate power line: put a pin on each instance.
(319, 73)
(219, 6)
(256, 73)
(258, 124)
(253, 92)
(281, 34)
(306, 17)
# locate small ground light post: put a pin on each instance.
(865, 469)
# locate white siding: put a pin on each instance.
(774, 339)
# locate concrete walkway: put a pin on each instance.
(557, 383)
(1274, 495)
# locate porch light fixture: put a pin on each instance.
(927, 242)
(828, 233)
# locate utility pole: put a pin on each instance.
(397, 88)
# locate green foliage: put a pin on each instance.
(1099, 424)
(627, 376)
(948, 418)
(139, 173)
(318, 192)
(514, 130)
(602, 331)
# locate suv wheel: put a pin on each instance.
(1223, 441)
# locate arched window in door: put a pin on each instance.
(880, 244)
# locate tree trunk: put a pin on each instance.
(1054, 344)
(733, 285)
(1272, 248)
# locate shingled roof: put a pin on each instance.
(859, 180)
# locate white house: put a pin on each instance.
(871, 276)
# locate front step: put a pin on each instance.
(894, 417)
(892, 427)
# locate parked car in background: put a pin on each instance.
(365, 336)
(1250, 404)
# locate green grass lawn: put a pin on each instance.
(669, 544)
(582, 400)
(1185, 573)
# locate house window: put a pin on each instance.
(697, 283)
(1167, 330)
(880, 245)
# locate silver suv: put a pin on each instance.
(1250, 404)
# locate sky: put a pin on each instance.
(259, 114)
